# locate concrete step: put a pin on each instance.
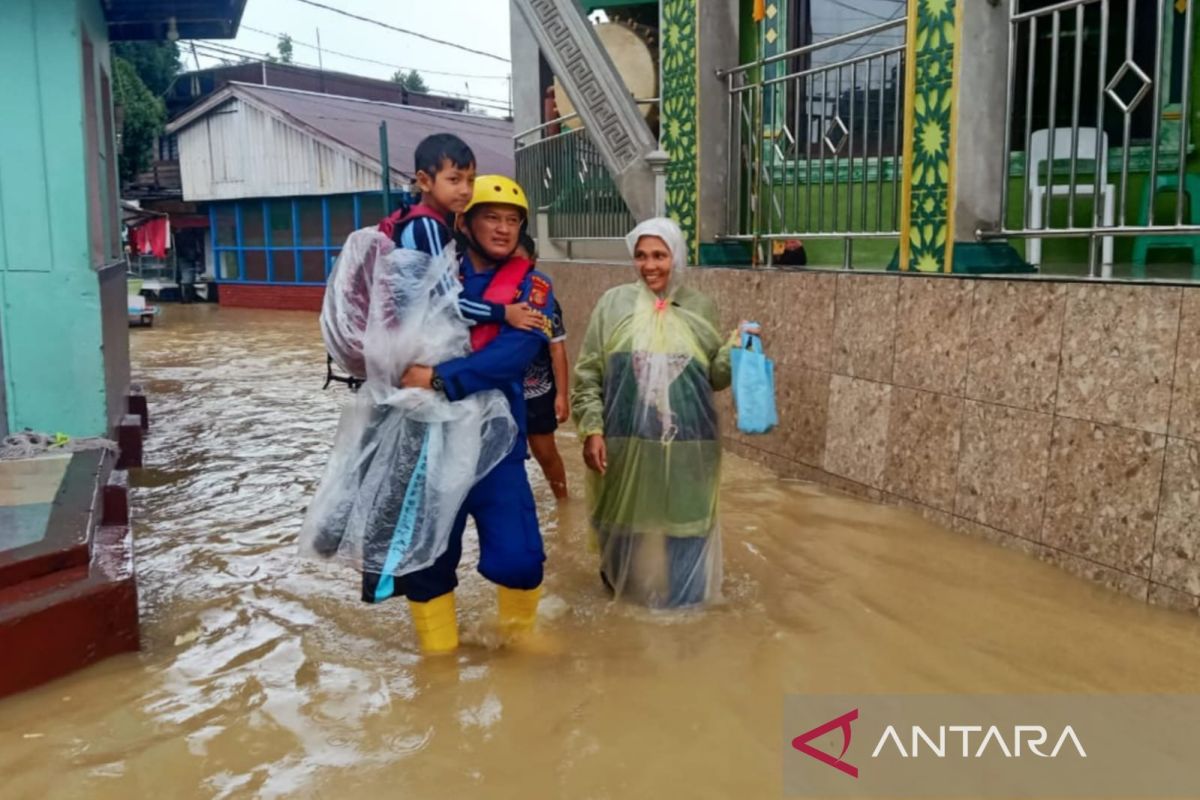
(70, 599)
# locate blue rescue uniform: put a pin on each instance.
(432, 237)
(501, 503)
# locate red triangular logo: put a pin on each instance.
(801, 743)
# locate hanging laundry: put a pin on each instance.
(151, 237)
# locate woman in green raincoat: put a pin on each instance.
(643, 404)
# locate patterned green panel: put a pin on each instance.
(774, 41)
(679, 112)
(929, 149)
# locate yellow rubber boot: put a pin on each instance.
(436, 624)
(518, 609)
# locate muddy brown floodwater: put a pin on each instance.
(263, 676)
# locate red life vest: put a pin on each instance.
(504, 288)
(394, 221)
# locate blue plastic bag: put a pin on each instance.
(754, 387)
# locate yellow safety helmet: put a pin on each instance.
(500, 190)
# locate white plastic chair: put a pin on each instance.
(1085, 149)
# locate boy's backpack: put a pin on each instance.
(396, 220)
(348, 290)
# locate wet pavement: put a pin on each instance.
(262, 675)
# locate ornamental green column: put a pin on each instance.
(927, 213)
(956, 85)
(679, 114)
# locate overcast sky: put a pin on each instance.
(478, 24)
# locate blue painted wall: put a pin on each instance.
(49, 293)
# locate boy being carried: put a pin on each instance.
(445, 176)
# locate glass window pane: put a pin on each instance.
(226, 226)
(283, 266)
(256, 265)
(370, 207)
(341, 218)
(281, 223)
(312, 230)
(312, 266)
(229, 264)
(824, 19)
(252, 224)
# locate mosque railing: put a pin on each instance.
(1098, 98)
(568, 183)
(815, 139)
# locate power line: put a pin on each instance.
(373, 61)
(228, 50)
(404, 31)
(863, 11)
(241, 52)
(224, 51)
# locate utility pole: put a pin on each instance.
(386, 168)
(320, 61)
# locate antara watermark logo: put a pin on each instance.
(944, 741)
(951, 746)
(1033, 737)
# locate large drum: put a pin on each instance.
(631, 48)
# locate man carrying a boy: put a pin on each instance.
(501, 503)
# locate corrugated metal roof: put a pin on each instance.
(192, 87)
(355, 124)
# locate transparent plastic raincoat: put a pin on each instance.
(403, 460)
(645, 378)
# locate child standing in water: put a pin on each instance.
(547, 389)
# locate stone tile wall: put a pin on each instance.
(1060, 419)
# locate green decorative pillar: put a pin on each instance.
(679, 115)
(927, 214)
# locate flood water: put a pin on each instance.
(263, 676)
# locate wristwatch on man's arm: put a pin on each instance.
(436, 383)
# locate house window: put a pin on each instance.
(252, 225)
(225, 226)
(312, 266)
(341, 217)
(284, 240)
(818, 20)
(864, 96)
(312, 222)
(168, 147)
(1142, 35)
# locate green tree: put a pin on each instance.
(411, 80)
(156, 63)
(285, 49)
(142, 118)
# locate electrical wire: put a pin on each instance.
(223, 51)
(324, 49)
(404, 31)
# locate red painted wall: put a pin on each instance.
(284, 298)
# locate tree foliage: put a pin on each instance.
(285, 48)
(411, 80)
(156, 63)
(142, 118)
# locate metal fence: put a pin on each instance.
(566, 178)
(815, 141)
(1087, 89)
